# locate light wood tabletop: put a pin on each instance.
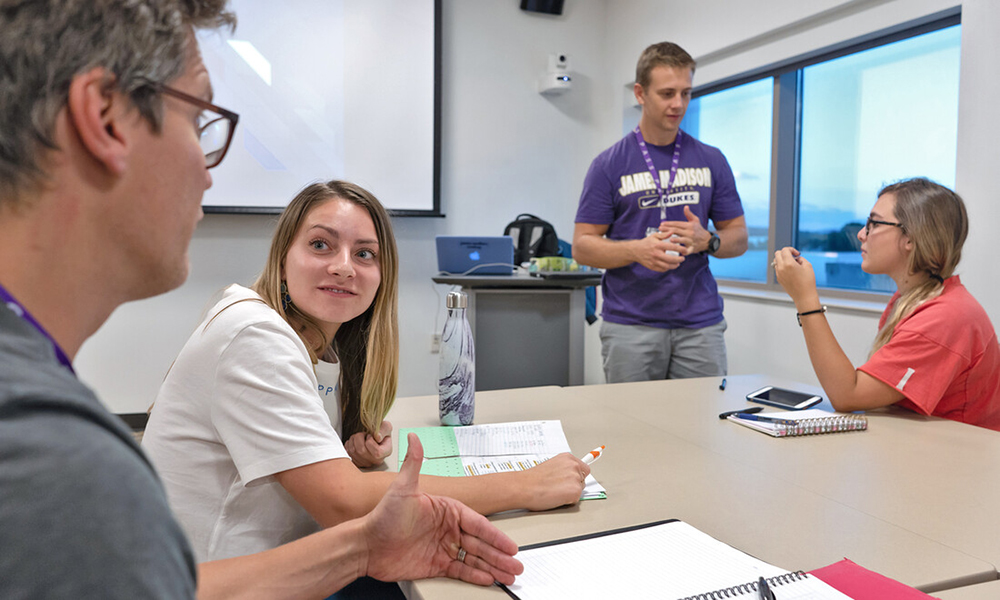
(935, 477)
(979, 591)
(798, 503)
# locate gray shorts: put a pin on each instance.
(641, 353)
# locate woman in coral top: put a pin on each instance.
(936, 351)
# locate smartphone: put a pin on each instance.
(782, 398)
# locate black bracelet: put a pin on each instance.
(798, 316)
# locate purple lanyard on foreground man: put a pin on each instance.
(22, 312)
(656, 175)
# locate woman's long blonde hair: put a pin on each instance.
(366, 346)
(934, 219)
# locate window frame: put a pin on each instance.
(786, 135)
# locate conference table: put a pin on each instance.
(914, 498)
(980, 591)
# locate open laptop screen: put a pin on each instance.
(475, 255)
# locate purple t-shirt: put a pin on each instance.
(619, 192)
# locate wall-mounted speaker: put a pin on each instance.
(551, 7)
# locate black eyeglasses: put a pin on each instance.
(214, 132)
(871, 222)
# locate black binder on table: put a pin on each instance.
(664, 559)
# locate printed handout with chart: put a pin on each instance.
(492, 448)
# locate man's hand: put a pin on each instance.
(367, 450)
(411, 535)
(689, 233)
(658, 253)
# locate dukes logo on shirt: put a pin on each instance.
(677, 199)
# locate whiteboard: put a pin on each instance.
(328, 89)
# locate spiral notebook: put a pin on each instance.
(792, 586)
(802, 422)
(667, 559)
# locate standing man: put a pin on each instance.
(643, 216)
(107, 132)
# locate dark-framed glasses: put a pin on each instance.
(872, 222)
(216, 125)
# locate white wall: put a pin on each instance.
(507, 149)
(978, 132)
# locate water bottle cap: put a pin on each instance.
(457, 300)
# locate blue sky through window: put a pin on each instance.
(867, 119)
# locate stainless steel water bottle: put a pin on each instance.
(457, 372)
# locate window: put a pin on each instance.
(869, 119)
(849, 122)
(738, 122)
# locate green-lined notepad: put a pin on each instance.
(491, 448)
(441, 456)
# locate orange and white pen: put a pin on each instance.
(593, 455)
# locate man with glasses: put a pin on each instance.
(216, 125)
(106, 130)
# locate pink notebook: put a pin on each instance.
(861, 584)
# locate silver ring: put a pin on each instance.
(461, 555)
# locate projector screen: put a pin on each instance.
(328, 89)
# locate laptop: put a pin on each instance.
(475, 255)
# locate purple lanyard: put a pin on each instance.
(19, 310)
(656, 175)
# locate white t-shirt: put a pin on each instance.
(241, 403)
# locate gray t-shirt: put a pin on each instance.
(82, 512)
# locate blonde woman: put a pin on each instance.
(936, 351)
(246, 430)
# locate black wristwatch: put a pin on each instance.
(713, 243)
